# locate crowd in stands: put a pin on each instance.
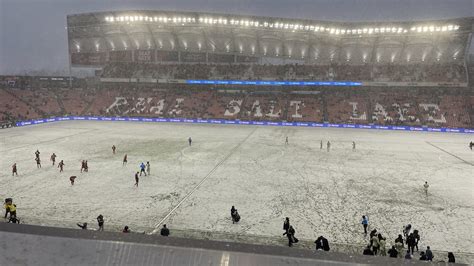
(450, 107)
(437, 72)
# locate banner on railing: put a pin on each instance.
(240, 122)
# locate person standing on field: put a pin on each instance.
(14, 170)
(425, 187)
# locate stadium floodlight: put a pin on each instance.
(431, 28)
(425, 29)
(127, 18)
(450, 27)
(444, 28)
(365, 30)
(413, 28)
(419, 29)
(400, 30)
(141, 18)
(106, 18)
(456, 27)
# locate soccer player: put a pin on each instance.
(328, 146)
(72, 179)
(113, 149)
(190, 141)
(286, 141)
(353, 145)
(142, 169)
(61, 166)
(14, 170)
(38, 162)
(124, 160)
(53, 158)
(148, 167)
(426, 186)
(136, 179)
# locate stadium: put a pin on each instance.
(320, 121)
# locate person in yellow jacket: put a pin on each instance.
(10, 208)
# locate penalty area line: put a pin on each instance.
(201, 182)
(447, 152)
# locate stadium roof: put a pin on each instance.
(236, 38)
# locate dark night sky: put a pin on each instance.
(33, 34)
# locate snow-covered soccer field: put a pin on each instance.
(323, 193)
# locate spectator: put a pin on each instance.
(382, 246)
(416, 235)
(368, 251)
(375, 244)
(393, 252)
(365, 221)
(423, 256)
(100, 222)
(411, 242)
(322, 243)
(291, 236)
(451, 257)
(429, 254)
(286, 225)
(82, 226)
(408, 255)
(126, 229)
(165, 231)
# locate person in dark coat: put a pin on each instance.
(13, 219)
(406, 230)
(126, 229)
(286, 225)
(411, 242)
(100, 222)
(368, 251)
(429, 254)
(82, 226)
(291, 236)
(373, 233)
(232, 210)
(322, 243)
(235, 216)
(417, 238)
(165, 231)
(451, 257)
(393, 252)
(422, 256)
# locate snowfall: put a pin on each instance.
(193, 187)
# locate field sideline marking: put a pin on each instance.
(447, 152)
(201, 182)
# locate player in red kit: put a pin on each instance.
(136, 179)
(61, 166)
(14, 170)
(53, 158)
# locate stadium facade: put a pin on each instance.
(161, 36)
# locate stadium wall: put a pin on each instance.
(239, 122)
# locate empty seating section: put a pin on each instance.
(438, 107)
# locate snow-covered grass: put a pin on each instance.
(323, 193)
